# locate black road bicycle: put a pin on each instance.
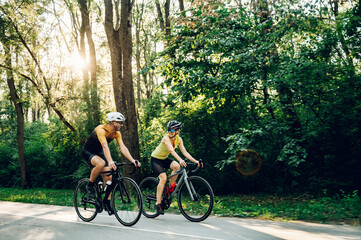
(126, 198)
(194, 195)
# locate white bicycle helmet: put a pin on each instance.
(115, 116)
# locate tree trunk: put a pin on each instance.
(90, 90)
(120, 45)
(167, 20)
(181, 5)
(164, 22)
(160, 16)
(139, 20)
(25, 177)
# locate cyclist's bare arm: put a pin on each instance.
(173, 152)
(124, 150)
(185, 152)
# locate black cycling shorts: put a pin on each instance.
(87, 155)
(159, 165)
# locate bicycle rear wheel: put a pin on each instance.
(148, 187)
(199, 208)
(127, 201)
(85, 209)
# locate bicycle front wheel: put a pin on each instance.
(195, 199)
(85, 209)
(127, 201)
(148, 187)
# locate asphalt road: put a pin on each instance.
(42, 222)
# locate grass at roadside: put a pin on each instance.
(341, 209)
(39, 196)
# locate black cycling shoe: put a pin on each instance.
(159, 209)
(91, 191)
(108, 208)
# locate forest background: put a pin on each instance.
(280, 77)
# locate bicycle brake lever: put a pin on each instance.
(198, 167)
(135, 168)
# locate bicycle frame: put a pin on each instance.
(183, 178)
(193, 193)
(116, 178)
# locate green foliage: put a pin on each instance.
(290, 81)
(292, 154)
(51, 163)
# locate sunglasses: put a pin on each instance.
(171, 130)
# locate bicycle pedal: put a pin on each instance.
(91, 201)
(110, 212)
(99, 210)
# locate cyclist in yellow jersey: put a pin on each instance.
(96, 152)
(159, 160)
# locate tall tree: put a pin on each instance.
(181, 5)
(86, 30)
(119, 37)
(138, 26)
(48, 98)
(82, 32)
(25, 176)
(164, 21)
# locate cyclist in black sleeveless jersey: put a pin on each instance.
(96, 152)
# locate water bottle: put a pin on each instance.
(107, 185)
(100, 185)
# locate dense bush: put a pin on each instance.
(52, 155)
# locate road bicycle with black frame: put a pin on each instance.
(126, 198)
(194, 194)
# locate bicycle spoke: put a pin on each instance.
(85, 209)
(196, 202)
(127, 202)
(148, 187)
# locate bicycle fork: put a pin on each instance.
(123, 192)
(189, 185)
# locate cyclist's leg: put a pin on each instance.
(104, 169)
(175, 167)
(160, 187)
(106, 178)
(99, 165)
(94, 164)
(157, 166)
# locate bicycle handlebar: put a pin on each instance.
(120, 165)
(197, 169)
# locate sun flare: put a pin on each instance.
(76, 61)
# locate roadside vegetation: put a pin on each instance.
(339, 209)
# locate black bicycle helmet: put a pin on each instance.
(174, 125)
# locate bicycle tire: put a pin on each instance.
(127, 201)
(148, 187)
(199, 209)
(85, 209)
